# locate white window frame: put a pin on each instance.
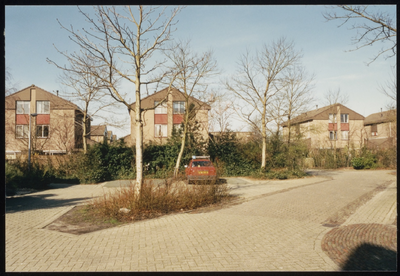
(43, 107)
(179, 107)
(42, 127)
(23, 107)
(332, 118)
(344, 116)
(21, 129)
(332, 135)
(160, 128)
(345, 134)
(161, 109)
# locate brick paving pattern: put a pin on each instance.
(340, 243)
(277, 228)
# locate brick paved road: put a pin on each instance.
(278, 228)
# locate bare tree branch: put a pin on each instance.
(372, 27)
(334, 97)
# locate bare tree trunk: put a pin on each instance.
(264, 140)
(139, 142)
(84, 134)
(178, 161)
(185, 130)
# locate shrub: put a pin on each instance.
(233, 158)
(358, 163)
(104, 162)
(156, 200)
(19, 176)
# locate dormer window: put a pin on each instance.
(179, 107)
(161, 109)
(374, 130)
(332, 118)
(344, 118)
(23, 107)
(43, 107)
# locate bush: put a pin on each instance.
(233, 158)
(104, 162)
(367, 161)
(156, 200)
(19, 176)
(280, 174)
(358, 163)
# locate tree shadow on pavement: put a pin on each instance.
(371, 257)
(40, 201)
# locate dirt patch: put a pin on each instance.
(78, 221)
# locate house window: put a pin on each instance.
(179, 107)
(160, 130)
(332, 135)
(161, 109)
(344, 118)
(43, 107)
(42, 131)
(374, 130)
(23, 107)
(345, 135)
(332, 118)
(21, 131)
(298, 129)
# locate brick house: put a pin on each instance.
(56, 124)
(333, 126)
(97, 134)
(158, 123)
(380, 129)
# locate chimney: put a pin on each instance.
(33, 99)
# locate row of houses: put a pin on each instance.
(57, 124)
(336, 126)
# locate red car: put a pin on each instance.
(200, 168)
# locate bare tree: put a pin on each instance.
(10, 87)
(62, 133)
(221, 112)
(258, 81)
(334, 97)
(371, 26)
(296, 93)
(389, 89)
(123, 43)
(192, 71)
(87, 90)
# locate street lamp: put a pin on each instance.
(29, 142)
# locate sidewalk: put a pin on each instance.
(381, 209)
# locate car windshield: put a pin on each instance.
(201, 164)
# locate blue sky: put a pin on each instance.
(229, 31)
